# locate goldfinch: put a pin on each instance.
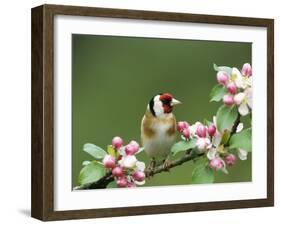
(158, 128)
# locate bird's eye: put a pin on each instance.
(166, 101)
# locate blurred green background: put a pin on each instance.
(113, 78)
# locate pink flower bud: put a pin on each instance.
(247, 70)
(131, 185)
(222, 78)
(228, 100)
(117, 142)
(182, 125)
(132, 148)
(135, 144)
(232, 88)
(212, 130)
(122, 182)
(186, 133)
(201, 131)
(230, 159)
(117, 171)
(216, 164)
(139, 176)
(109, 162)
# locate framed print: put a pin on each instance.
(141, 112)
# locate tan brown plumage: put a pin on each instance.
(158, 127)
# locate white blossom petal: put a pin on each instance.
(249, 94)
(217, 139)
(203, 143)
(211, 153)
(237, 77)
(128, 161)
(238, 98)
(140, 166)
(139, 182)
(243, 109)
(122, 151)
(242, 154)
(239, 127)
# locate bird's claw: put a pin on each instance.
(167, 165)
(150, 168)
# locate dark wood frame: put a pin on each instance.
(42, 203)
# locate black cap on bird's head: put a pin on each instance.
(162, 104)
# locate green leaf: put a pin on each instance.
(85, 163)
(111, 151)
(183, 146)
(202, 174)
(217, 93)
(94, 151)
(226, 117)
(225, 137)
(112, 185)
(242, 140)
(140, 150)
(91, 173)
(226, 69)
(207, 122)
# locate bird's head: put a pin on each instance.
(162, 104)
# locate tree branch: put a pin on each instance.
(104, 181)
(190, 155)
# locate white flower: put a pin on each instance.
(140, 166)
(212, 153)
(203, 143)
(128, 161)
(240, 80)
(242, 154)
(244, 101)
(193, 128)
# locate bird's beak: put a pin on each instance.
(175, 102)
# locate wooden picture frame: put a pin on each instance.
(43, 111)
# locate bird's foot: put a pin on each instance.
(150, 168)
(167, 164)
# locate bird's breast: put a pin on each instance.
(158, 135)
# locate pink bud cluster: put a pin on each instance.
(123, 164)
(201, 130)
(219, 163)
(225, 80)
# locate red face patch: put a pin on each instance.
(166, 97)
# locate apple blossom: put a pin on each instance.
(240, 80)
(122, 182)
(109, 162)
(138, 176)
(242, 154)
(247, 70)
(117, 171)
(230, 159)
(228, 100)
(128, 161)
(132, 148)
(117, 142)
(222, 77)
(182, 125)
(232, 88)
(131, 185)
(186, 133)
(212, 130)
(201, 131)
(244, 101)
(203, 143)
(216, 163)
